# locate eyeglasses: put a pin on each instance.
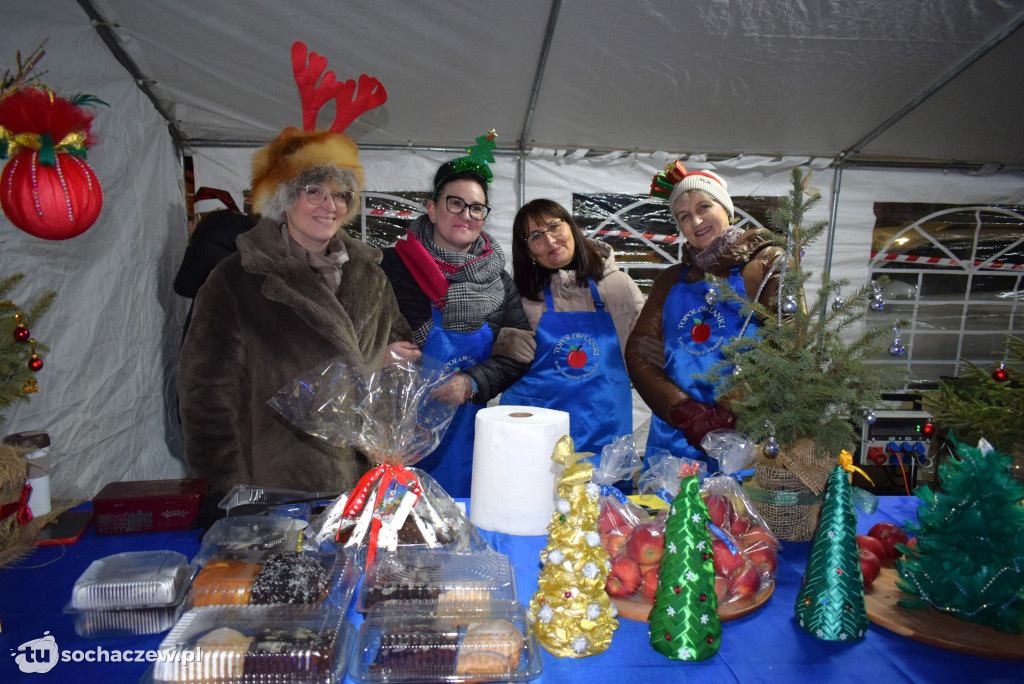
(317, 195)
(553, 230)
(477, 211)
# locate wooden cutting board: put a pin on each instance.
(632, 609)
(929, 626)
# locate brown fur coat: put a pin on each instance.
(262, 319)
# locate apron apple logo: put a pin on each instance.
(578, 357)
(700, 332)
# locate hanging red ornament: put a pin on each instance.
(1000, 374)
(47, 189)
(35, 364)
(21, 333)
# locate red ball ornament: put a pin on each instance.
(50, 202)
(21, 334)
(35, 364)
(1000, 374)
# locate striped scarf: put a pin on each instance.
(476, 290)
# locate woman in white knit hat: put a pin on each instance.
(684, 324)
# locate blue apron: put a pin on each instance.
(451, 464)
(695, 333)
(578, 368)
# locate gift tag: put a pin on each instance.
(392, 510)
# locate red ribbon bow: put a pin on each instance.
(20, 507)
(382, 475)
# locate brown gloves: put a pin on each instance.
(515, 343)
(696, 419)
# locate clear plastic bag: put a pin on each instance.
(396, 415)
(618, 515)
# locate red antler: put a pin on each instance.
(369, 94)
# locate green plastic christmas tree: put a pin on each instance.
(969, 557)
(21, 356)
(573, 616)
(684, 619)
(830, 603)
(800, 374)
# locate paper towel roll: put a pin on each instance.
(513, 488)
(39, 478)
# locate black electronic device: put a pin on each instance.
(66, 529)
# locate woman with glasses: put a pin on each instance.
(582, 308)
(685, 323)
(299, 294)
(451, 284)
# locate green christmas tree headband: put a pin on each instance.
(477, 159)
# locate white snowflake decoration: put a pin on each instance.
(701, 544)
(546, 613)
(672, 547)
(593, 539)
(593, 611)
(590, 570)
(695, 517)
(580, 644)
(563, 506)
(704, 619)
(670, 610)
(555, 557)
(690, 575)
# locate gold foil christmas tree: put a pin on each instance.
(573, 616)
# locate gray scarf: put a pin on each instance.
(327, 266)
(475, 287)
(705, 258)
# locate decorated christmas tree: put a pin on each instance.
(572, 614)
(684, 619)
(805, 383)
(985, 404)
(969, 558)
(21, 356)
(830, 603)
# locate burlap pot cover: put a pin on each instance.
(788, 490)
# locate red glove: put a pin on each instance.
(696, 419)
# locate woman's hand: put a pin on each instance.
(696, 419)
(456, 391)
(402, 352)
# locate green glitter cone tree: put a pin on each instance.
(684, 619)
(830, 603)
(573, 616)
(969, 558)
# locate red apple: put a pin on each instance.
(725, 560)
(721, 589)
(624, 578)
(745, 581)
(764, 557)
(646, 544)
(911, 544)
(612, 542)
(577, 358)
(870, 566)
(649, 584)
(871, 544)
(700, 332)
(758, 534)
(720, 509)
(611, 519)
(739, 527)
(890, 535)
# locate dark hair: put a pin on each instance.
(531, 278)
(446, 174)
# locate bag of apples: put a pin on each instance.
(618, 463)
(746, 552)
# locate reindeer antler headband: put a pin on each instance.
(294, 151)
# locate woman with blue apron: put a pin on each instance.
(685, 324)
(578, 368)
(449, 278)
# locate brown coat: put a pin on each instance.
(262, 319)
(645, 349)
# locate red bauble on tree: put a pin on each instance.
(1000, 374)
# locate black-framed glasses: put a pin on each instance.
(317, 195)
(456, 205)
(553, 230)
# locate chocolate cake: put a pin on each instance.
(293, 577)
(427, 650)
(281, 654)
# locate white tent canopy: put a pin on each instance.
(922, 99)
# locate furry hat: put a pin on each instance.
(708, 181)
(297, 158)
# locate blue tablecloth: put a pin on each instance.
(766, 646)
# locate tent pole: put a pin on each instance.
(103, 27)
(549, 34)
(837, 181)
